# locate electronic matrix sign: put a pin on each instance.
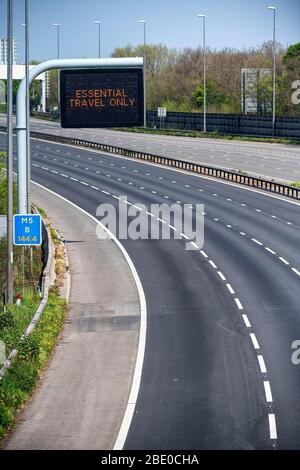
(102, 98)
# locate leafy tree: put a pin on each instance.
(265, 94)
(292, 53)
(214, 95)
(289, 74)
(175, 78)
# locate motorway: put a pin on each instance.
(217, 372)
(271, 161)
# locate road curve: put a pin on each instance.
(218, 372)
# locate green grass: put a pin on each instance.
(15, 319)
(214, 135)
(20, 380)
(45, 117)
(42, 212)
(295, 184)
(2, 161)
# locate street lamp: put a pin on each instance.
(99, 37)
(204, 72)
(26, 25)
(143, 22)
(274, 68)
(9, 154)
(57, 26)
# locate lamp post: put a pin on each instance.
(26, 25)
(204, 72)
(10, 278)
(99, 37)
(274, 68)
(143, 22)
(57, 26)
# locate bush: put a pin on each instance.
(7, 319)
(20, 380)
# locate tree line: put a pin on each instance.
(175, 78)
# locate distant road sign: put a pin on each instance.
(102, 98)
(27, 229)
(162, 112)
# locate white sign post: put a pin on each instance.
(162, 113)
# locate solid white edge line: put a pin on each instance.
(268, 391)
(272, 426)
(123, 431)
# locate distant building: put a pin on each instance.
(253, 101)
(48, 84)
(3, 51)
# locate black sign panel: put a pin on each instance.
(102, 98)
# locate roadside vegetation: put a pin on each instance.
(175, 78)
(21, 378)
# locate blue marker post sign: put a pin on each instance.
(27, 229)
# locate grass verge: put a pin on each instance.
(20, 380)
(15, 319)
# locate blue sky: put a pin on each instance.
(230, 23)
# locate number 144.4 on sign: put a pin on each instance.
(27, 229)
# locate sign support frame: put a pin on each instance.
(126, 62)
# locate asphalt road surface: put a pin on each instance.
(276, 161)
(218, 370)
(82, 396)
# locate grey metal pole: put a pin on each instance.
(126, 62)
(204, 72)
(99, 37)
(27, 107)
(204, 60)
(145, 74)
(10, 279)
(99, 40)
(57, 25)
(58, 72)
(274, 70)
